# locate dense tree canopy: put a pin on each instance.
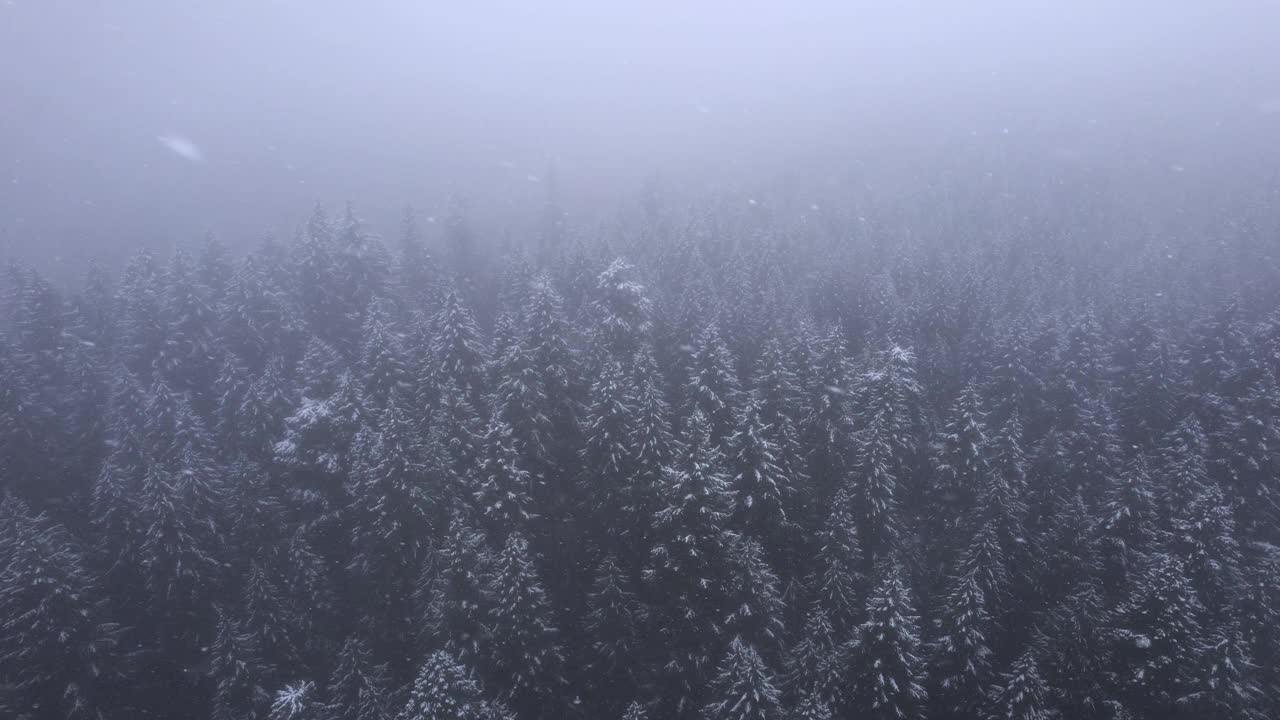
(721, 465)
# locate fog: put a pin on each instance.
(738, 361)
(151, 122)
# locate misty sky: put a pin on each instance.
(392, 103)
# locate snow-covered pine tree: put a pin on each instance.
(1021, 693)
(363, 265)
(1205, 538)
(298, 701)
(1127, 525)
(442, 690)
(761, 487)
(1157, 639)
(813, 662)
(961, 462)
(459, 351)
(453, 616)
(548, 339)
(258, 422)
(877, 489)
(811, 707)
(214, 267)
(884, 674)
(141, 328)
(358, 688)
(614, 622)
(1249, 447)
(57, 649)
(635, 711)
(186, 357)
(1072, 648)
(654, 446)
(688, 563)
(416, 273)
(621, 312)
(383, 367)
(889, 399)
(608, 460)
(1181, 470)
(524, 648)
(266, 617)
(753, 600)
(713, 384)
(838, 580)
(743, 688)
(503, 487)
(824, 426)
(1149, 402)
(238, 672)
(520, 402)
(1225, 685)
(960, 663)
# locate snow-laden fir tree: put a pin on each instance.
(1158, 639)
(635, 711)
(524, 646)
(743, 688)
(1068, 550)
(837, 577)
(654, 446)
(713, 386)
(884, 674)
(459, 353)
(960, 663)
(1205, 538)
(1127, 524)
(811, 707)
(548, 339)
(780, 400)
(608, 459)
(298, 701)
(614, 622)
(752, 598)
(57, 648)
(382, 364)
(415, 271)
(621, 313)
(258, 422)
(812, 664)
(1020, 694)
(889, 398)
(1225, 687)
(824, 426)
(442, 690)
(363, 264)
(453, 616)
(1181, 470)
(238, 671)
(358, 688)
(877, 488)
(963, 457)
(520, 401)
(503, 487)
(186, 357)
(688, 563)
(1249, 445)
(761, 487)
(1073, 650)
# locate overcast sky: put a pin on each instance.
(389, 103)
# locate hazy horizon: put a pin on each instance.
(389, 104)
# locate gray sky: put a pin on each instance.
(389, 103)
